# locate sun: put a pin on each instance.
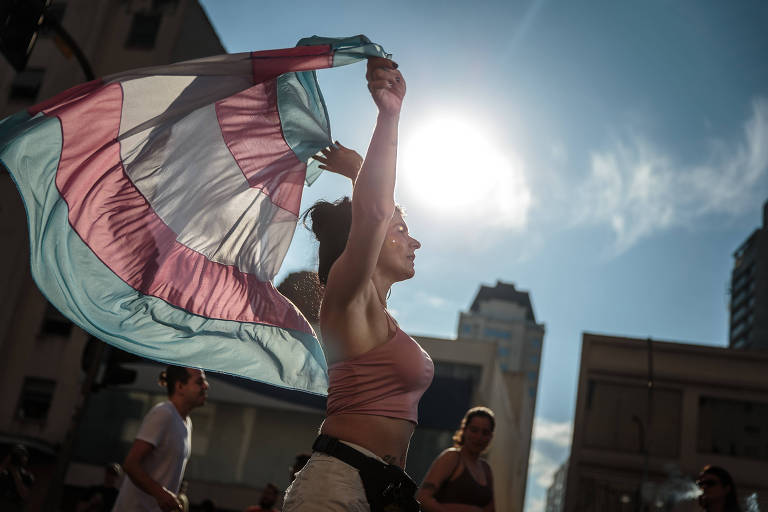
(450, 166)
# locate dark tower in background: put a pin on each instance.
(749, 291)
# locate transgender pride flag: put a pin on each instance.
(161, 203)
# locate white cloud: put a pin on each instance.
(542, 468)
(535, 504)
(637, 190)
(558, 433)
(558, 152)
(550, 447)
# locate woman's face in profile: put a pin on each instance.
(712, 490)
(399, 249)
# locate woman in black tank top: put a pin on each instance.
(459, 479)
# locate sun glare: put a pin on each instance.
(450, 167)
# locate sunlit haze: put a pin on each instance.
(456, 170)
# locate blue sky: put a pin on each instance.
(606, 156)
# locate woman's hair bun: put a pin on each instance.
(329, 217)
(331, 223)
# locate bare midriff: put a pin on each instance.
(386, 437)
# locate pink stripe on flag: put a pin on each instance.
(63, 99)
(250, 125)
(120, 227)
(268, 64)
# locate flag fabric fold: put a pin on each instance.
(161, 203)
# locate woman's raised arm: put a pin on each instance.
(373, 198)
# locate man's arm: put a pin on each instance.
(18, 481)
(133, 468)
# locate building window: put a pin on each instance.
(35, 399)
(489, 332)
(55, 324)
(143, 33)
(26, 84)
(741, 328)
(738, 314)
(733, 427)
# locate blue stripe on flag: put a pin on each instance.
(85, 290)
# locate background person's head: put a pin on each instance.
(187, 385)
(269, 496)
(718, 491)
(476, 429)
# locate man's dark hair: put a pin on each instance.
(171, 375)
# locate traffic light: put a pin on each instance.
(20, 22)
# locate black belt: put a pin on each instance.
(387, 487)
(345, 453)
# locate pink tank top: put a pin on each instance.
(388, 380)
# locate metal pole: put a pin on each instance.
(53, 24)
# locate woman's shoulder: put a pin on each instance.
(450, 454)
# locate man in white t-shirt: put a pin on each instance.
(156, 461)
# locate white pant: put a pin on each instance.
(326, 484)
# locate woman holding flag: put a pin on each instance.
(377, 373)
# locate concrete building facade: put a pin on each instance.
(41, 351)
(503, 316)
(749, 291)
(649, 415)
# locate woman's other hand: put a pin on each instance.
(340, 160)
(386, 84)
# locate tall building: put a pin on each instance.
(749, 291)
(650, 414)
(556, 491)
(503, 316)
(40, 350)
